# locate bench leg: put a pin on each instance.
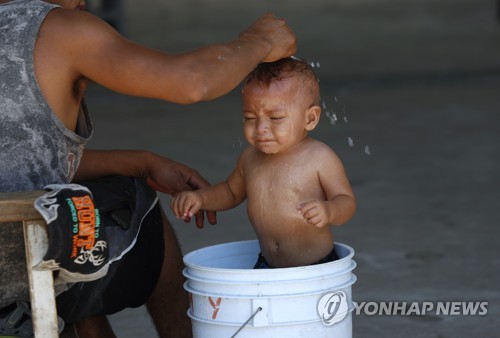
(43, 304)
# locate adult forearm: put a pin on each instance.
(199, 75)
(99, 163)
(215, 70)
(123, 66)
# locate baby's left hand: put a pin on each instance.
(315, 212)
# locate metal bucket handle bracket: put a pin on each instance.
(258, 305)
(262, 317)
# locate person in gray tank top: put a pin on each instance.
(32, 136)
(48, 53)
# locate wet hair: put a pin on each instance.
(268, 72)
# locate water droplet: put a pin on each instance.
(323, 104)
(367, 150)
(332, 117)
(345, 119)
(317, 64)
(238, 143)
(312, 64)
(335, 98)
(350, 141)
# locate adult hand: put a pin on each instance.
(161, 173)
(274, 32)
(185, 204)
(172, 177)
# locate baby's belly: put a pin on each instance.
(286, 239)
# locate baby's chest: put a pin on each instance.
(281, 179)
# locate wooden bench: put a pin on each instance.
(18, 207)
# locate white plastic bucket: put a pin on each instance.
(307, 301)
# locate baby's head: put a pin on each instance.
(291, 68)
(280, 104)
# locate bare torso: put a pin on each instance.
(275, 186)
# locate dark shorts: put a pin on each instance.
(263, 264)
(125, 203)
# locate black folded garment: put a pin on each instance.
(77, 245)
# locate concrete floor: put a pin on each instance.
(418, 82)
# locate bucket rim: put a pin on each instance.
(185, 273)
(189, 264)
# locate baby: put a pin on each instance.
(296, 186)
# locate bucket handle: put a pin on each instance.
(245, 323)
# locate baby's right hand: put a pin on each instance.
(185, 205)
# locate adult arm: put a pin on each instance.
(161, 173)
(89, 48)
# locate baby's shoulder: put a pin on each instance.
(321, 154)
(315, 147)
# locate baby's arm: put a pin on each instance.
(222, 196)
(340, 204)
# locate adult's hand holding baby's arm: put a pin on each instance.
(186, 204)
(161, 173)
(217, 197)
(175, 178)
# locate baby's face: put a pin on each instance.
(274, 117)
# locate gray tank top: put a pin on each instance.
(35, 147)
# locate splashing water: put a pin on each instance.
(344, 113)
(314, 64)
(367, 150)
(332, 117)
